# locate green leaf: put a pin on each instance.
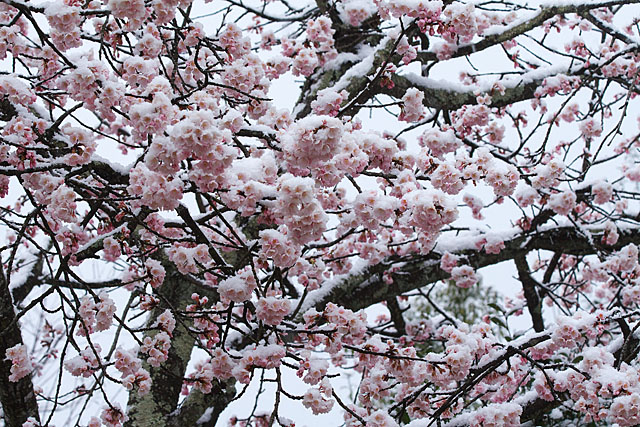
(496, 307)
(499, 322)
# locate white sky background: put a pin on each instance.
(284, 93)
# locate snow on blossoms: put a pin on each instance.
(412, 109)
(21, 364)
(302, 213)
(153, 189)
(252, 238)
(279, 248)
(239, 287)
(464, 276)
(311, 141)
(429, 211)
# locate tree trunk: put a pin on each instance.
(18, 398)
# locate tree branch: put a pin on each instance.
(530, 292)
(366, 287)
(154, 408)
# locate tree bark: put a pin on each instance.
(153, 408)
(18, 398)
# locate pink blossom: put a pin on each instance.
(126, 361)
(279, 248)
(314, 400)
(381, 418)
(21, 364)
(156, 271)
(602, 192)
(440, 143)
(448, 261)
(166, 322)
(328, 102)
(429, 211)
(461, 23)
(625, 410)
(304, 63)
(85, 364)
(503, 414)
(464, 276)
(356, 12)
(113, 416)
(239, 287)
(590, 128)
(153, 189)
(157, 348)
(140, 379)
(412, 108)
(272, 310)
(562, 203)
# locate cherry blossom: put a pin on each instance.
(426, 210)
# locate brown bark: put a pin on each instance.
(18, 398)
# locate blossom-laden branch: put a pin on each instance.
(243, 239)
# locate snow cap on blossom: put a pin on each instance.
(439, 142)
(563, 203)
(526, 195)
(315, 369)
(381, 418)
(312, 140)
(355, 12)
(153, 189)
(602, 192)
(16, 90)
(279, 248)
(498, 414)
(429, 210)
(314, 400)
(412, 108)
(239, 287)
(328, 102)
(272, 310)
(86, 363)
(547, 175)
(461, 23)
(267, 357)
(21, 364)
(464, 276)
(373, 208)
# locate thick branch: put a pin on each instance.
(510, 33)
(396, 315)
(153, 408)
(450, 99)
(200, 406)
(530, 293)
(362, 87)
(365, 288)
